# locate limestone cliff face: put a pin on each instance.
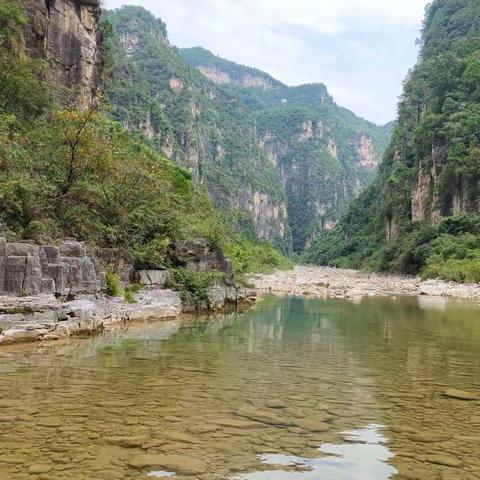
(66, 34)
(221, 77)
(426, 203)
(316, 176)
(366, 152)
(269, 216)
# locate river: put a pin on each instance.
(293, 389)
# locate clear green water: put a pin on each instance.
(357, 390)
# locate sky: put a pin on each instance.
(360, 49)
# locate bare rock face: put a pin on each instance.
(66, 34)
(28, 269)
(366, 153)
(200, 255)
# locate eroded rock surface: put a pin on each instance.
(66, 34)
(29, 269)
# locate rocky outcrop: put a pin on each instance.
(29, 269)
(44, 317)
(201, 255)
(215, 75)
(367, 156)
(152, 278)
(66, 34)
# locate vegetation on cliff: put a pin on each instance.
(422, 212)
(70, 170)
(156, 94)
(245, 136)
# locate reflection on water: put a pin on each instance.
(293, 389)
(364, 458)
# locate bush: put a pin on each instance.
(114, 284)
(194, 286)
(129, 298)
(455, 258)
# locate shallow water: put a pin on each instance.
(294, 389)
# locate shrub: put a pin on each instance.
(114, 284)
(194, 286)
(129, 298)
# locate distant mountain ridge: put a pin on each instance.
(285, 161)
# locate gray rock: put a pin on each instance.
(72, 248)
(22, 250)
(32, 269)
(201, 255)
(157, 278)
(3, 247)
(82, 308)
(52, 253)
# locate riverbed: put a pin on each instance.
(293, 389)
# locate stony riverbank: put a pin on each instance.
(45, 317)
(338, 283)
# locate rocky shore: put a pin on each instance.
(45, 317)
(49, 292)
(339, 283)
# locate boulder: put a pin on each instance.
(201, 255)
(72, 248)
(153, 278)
(433, 288)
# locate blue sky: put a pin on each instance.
(361, 49)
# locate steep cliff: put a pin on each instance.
(66, 34)
(429, 184)
(287, 159)
(188, 118)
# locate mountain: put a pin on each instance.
(69, 170)
(422, 212)
(284, 161)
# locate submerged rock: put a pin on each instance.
(428, 437)
(445, 460)
(460, 394)
(180, 464)
(312, 425)
(263, 417)
(38, 469)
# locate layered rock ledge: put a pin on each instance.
(339, 283)
(53, 291)
(45, 317)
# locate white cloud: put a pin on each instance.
(361, 49)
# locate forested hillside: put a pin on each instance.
(68, 170)
(422, 212)
(284, 162)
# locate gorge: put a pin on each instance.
(206, 273)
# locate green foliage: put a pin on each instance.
(114, 284)
(68, 169)
(129, 298)
(194, 286)
(435, 152)
(223, 125)
(455, 257)
(255, 257)
(17, 311)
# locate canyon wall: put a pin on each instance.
(66, 34)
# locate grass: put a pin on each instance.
(17, 311)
